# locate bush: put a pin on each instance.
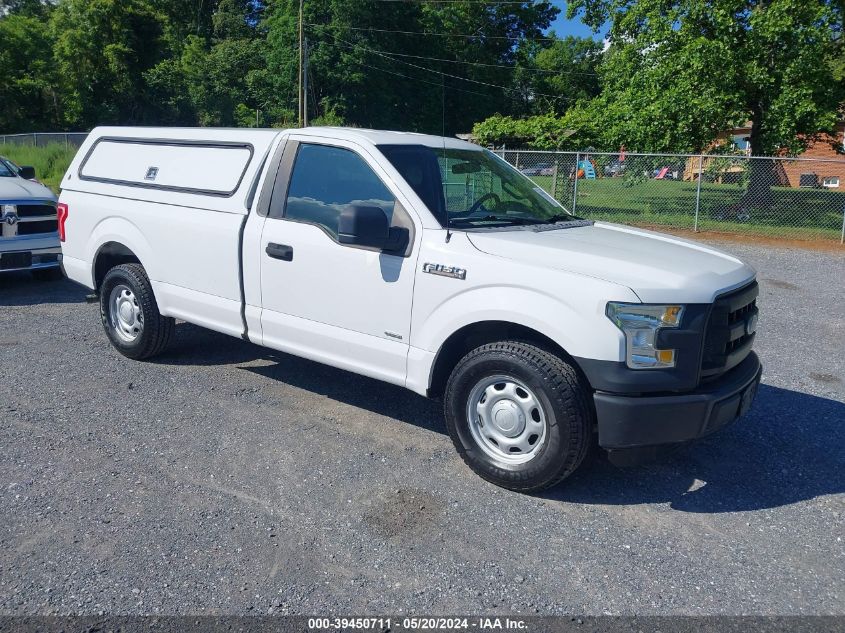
(574, 130)
(50, 161)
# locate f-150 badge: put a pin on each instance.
(445, 271)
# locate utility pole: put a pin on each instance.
(305, 86)
(301, 74)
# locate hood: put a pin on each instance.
(658, 268)
(15, 188)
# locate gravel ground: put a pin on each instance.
(226, 478)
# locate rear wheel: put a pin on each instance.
(130, 315)
(519, 416)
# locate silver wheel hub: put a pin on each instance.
(125, 316)
(506, 419)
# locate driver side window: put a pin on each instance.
(327, 179)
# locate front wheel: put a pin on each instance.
(519, 416)
(130, 315)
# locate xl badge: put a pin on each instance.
(445, 271)
(152, 172)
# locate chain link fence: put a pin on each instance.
(781, 198)
(41, 139)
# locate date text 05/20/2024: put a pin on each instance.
(416, 624)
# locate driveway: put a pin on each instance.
(227, 478)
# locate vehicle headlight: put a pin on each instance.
(640, 324)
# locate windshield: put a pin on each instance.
(7, 168)
(473, 188)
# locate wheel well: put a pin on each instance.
(461, 342)
(111, 254)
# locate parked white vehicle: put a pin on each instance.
(28, 236)
(425, 262)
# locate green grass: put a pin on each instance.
(50, 161)
(786, 213)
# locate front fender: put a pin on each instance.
(582, 329)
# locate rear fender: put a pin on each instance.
(121, 231)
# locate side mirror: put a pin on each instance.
(27, 172)
(360, 225)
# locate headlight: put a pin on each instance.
(640, 324)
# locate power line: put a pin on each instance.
(424, 81)
(490, 2)
(437, 72)
(431, 33)
(439, 84)
(481, 64)
(506, 66)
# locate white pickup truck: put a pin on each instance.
(423, 261)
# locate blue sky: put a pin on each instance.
(564, 27)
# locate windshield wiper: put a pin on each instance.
(497, 218)
(560, 218)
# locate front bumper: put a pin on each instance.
(30, 259)
(638, 421)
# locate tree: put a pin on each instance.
(838, 63)
(680, 71)
(505, 33)
(566, 69)
(369, 74)
(28, 8)
(103, 48)
(221, 73)
(546, 132)
(28, 98)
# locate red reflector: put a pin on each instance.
(61, 211)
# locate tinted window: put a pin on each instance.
(327, 179)
(6, 169)
(420, 168)
(473, 188)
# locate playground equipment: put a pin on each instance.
(586, 169)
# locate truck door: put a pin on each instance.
(334, 303)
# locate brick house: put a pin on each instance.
(798, 173)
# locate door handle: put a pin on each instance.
(280, 251)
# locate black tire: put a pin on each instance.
(156, 331)
(48, 274)
(557, 386)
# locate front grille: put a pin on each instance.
(29, 219)
(42, 226)
(727, 339)
(741, 315)
(35, 210)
